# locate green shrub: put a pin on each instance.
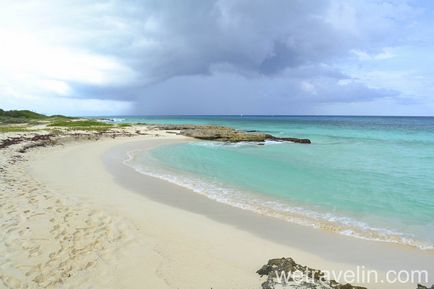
(23, 114)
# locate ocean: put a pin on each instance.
(366, 177)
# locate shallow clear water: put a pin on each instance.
(370, 177)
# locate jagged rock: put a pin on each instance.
(346, 286)
(311, 278)
(17, 140)
(223, 134)
(281, 264)
(291, 139)
(265, 270)
(227, 134)
(420, 286)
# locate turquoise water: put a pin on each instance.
(369, 177)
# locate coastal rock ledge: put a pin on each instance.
(227, 134)
(286, 273)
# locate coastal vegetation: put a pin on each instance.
(79, 123)
(83, 125)
(26, 121)
(14, 128)
(26, 116)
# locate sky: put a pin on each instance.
(125, 57)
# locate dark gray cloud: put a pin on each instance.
(165, 39)
(235, 94)
(218, 56)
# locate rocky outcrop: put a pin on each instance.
(419, 286)
(286, 273)
(227, 134)
(290, 139)
(43, 138)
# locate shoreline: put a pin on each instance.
(158, 239)
(321, 242)
(297, 214)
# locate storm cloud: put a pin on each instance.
(216, 57)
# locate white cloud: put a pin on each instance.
(365, 56)
(55, 86)
(22, 54)
(37, 75)
(308, 87)
(66, 106)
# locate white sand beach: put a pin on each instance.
(74, 216)
(218, 144)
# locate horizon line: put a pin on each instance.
(254, 115)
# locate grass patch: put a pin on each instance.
(56, 132)
(59, 116)
(124, 125)
(5, 129)
(80, 123)
(101, 129)
(83, 125)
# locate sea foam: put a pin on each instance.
(260, 204)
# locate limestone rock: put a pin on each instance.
(227, 134)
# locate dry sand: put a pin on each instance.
(74, 217)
